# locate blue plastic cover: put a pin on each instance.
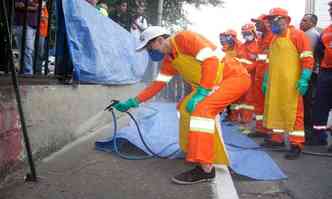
(101, 50)
(160, 131)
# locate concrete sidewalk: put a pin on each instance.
(80, 172)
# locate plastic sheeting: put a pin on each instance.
(160, 130)
(101, 50)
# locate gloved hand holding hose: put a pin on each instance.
(125, 106)
(199, 95)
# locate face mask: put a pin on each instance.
(276, 29)
(249, 37)
(259, 34)
(156, 55)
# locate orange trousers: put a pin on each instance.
(247, 106)
(260, 97)
(200, 147)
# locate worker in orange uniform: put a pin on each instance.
(215, 85)
(247, 56)
(323, 100)
(43, 31)
(231, 47)
(290, 67)
(264, 39)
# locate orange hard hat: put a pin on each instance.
(249, 27)
(230, 32)
(260, 18)
(278, 12)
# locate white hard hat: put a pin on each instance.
(150, 33)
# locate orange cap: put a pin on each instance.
(260, 18)
(231, 32)
(249, 27)
(278, 12)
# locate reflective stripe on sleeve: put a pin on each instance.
(305, 54)
(163, 78)
(244, 61)
(261, 57)
(259, 117)
(204, 54)
(201, 124)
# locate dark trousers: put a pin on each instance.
(308, 101)
(323, 100)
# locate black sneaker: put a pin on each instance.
(294, 153)
(329, 149)
(268, 143)
(194, 176)
(257, 134)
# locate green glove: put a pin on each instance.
(303, 83)
(125, 106)
(199, 95)
(264, 83)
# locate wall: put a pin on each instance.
(55, 116)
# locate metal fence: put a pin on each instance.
(42, 53)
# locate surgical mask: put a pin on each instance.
(259, 34)
(156, 55)
(249, 37)
(227, 41)
(276, 29)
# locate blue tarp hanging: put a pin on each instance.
(160, 130)
(101, 51)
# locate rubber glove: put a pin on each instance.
(264, 83)
(125, 106)
(303, 83)
(199, 95)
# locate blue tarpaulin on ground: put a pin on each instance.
(160, 130)
(101, 51)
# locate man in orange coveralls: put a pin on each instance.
(215, 84)
(290, 64)
(231, 47)
(264, 39)
(247, 56)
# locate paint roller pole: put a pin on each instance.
(31, 176)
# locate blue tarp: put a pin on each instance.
(160, 130)
(101, 51)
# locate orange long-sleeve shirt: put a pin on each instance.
(249, 52)
(327, 42)
(195, 45)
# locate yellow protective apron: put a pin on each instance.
(282, 96)
(190, 70)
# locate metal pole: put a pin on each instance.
(155, 65)
(160, 12)
(30, 176)
(47, 40)
(24, 34)
(36, 48)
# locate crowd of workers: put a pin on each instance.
(290, 70)
(280, 77)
